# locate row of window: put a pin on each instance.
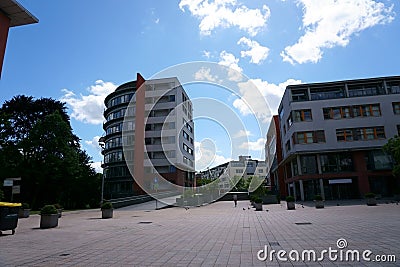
(187, 125)
(370, 110)
(119, 127)
(337, 162)
(356, 134)
(188, 161)
(187, 137)
(347, 134)
(187, 149)
(339, 91)
(113, 157)
(119, 171)
(340, 112)
(119, 100)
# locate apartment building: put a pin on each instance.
(332, 136)
(228, 172)
(149, 133)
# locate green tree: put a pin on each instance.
(37, 144)
(393, 148)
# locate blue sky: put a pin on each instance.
(81, 50)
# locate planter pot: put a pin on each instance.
(371, 201)
(258, 206)
(106, 213)
(24, 213)
(290, 205)
(48, 221)
(319, 204)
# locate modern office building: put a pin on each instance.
(149, 133)
(332, 136)
(12, 14)
(245, 167)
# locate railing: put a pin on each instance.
(128, 201)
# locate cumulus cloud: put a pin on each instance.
(254, 146)
(331, 23)
(229, 60)
(97, 167)
(204, 74)
(256, 52)
(94, 143)
(250, 102)
(89, 108)
(226, 14)
(242, 133)
(206, 155)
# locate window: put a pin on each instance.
(299, 95)
(393, 87)
(260, 171)
(396, 108)
(356, 134)
(336, 162)
(239, 170)
(295, 167)
(369, 110)
(186, 136)
(308, 164)
(357, 90)
(301, 115)
(309, 137)
(327, 93)
(378, 160)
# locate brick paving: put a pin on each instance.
(213, 235)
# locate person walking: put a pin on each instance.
(235, 200)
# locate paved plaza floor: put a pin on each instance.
(213, 235)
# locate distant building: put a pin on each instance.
(12, 14)
(332, 136)
(150, 131)
(245, 167)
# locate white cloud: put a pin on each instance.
(89, 108)
(257, 53)
(229, 60)
(206, 54)
(226, 14)
(242, 133)
(97, 167)
(331, 23)
(204, 74)
(250, 102)
(254, 146)
(206, 155)
(94, 143)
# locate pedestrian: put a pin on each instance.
(235, 200)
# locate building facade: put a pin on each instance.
(245, 167)
(149, 133)
(332, 136)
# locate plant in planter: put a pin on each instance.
(59, 209)
(371, 199)
(290, 203)
(319, 202)
(106, 210)
(258, 204)
(48, 217)
(24, 211)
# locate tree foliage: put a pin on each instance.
(393, 148)
(38, 145)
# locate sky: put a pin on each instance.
(80, 51)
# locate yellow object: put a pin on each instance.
(10, 205)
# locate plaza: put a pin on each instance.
(212, 235)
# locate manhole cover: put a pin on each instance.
(274, 243)
(145, 222)
(302, 223)
(64, 254)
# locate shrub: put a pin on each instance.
(289, 199)
(257, 200)
(25, 206)
(318, 198)
(106, 205)
(369, 195)
(58, 206)
(48, 210)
